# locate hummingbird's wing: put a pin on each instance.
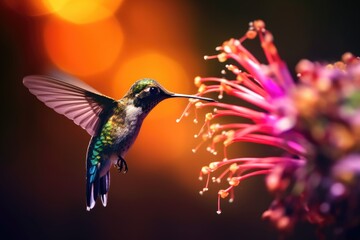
(72, 98)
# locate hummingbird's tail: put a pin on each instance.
(100, 186)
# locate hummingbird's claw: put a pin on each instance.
(120, 164)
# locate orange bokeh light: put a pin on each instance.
(151, 64)
(28, 7)
(83, 11)
(85, 49)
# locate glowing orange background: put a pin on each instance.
(110, 44)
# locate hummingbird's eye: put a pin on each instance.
(153, 90)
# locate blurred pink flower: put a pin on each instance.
(314, 120)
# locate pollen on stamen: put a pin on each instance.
(198, 104)
(222, 57)
(218, 212)
(193, 100)
(233, 69)
(201, 88)
(208, 116)
(214, 127)
(227, 49)
(251, 34)
(211, 150)
(259, 24)
(214, 165)
(229, 138)
(220, 96)
(205, 170)
(184, 114)
(234, 182)
(223, 193)
(197, 81)
(206, 57)
(233, 168)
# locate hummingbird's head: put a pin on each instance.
(147, 93)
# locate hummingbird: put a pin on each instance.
(112, 124)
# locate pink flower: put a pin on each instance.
(314, 120)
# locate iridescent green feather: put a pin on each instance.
(102, 144)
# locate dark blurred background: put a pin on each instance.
(42, 166)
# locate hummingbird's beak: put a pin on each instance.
(175, 95)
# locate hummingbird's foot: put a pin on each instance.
(121, 164)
